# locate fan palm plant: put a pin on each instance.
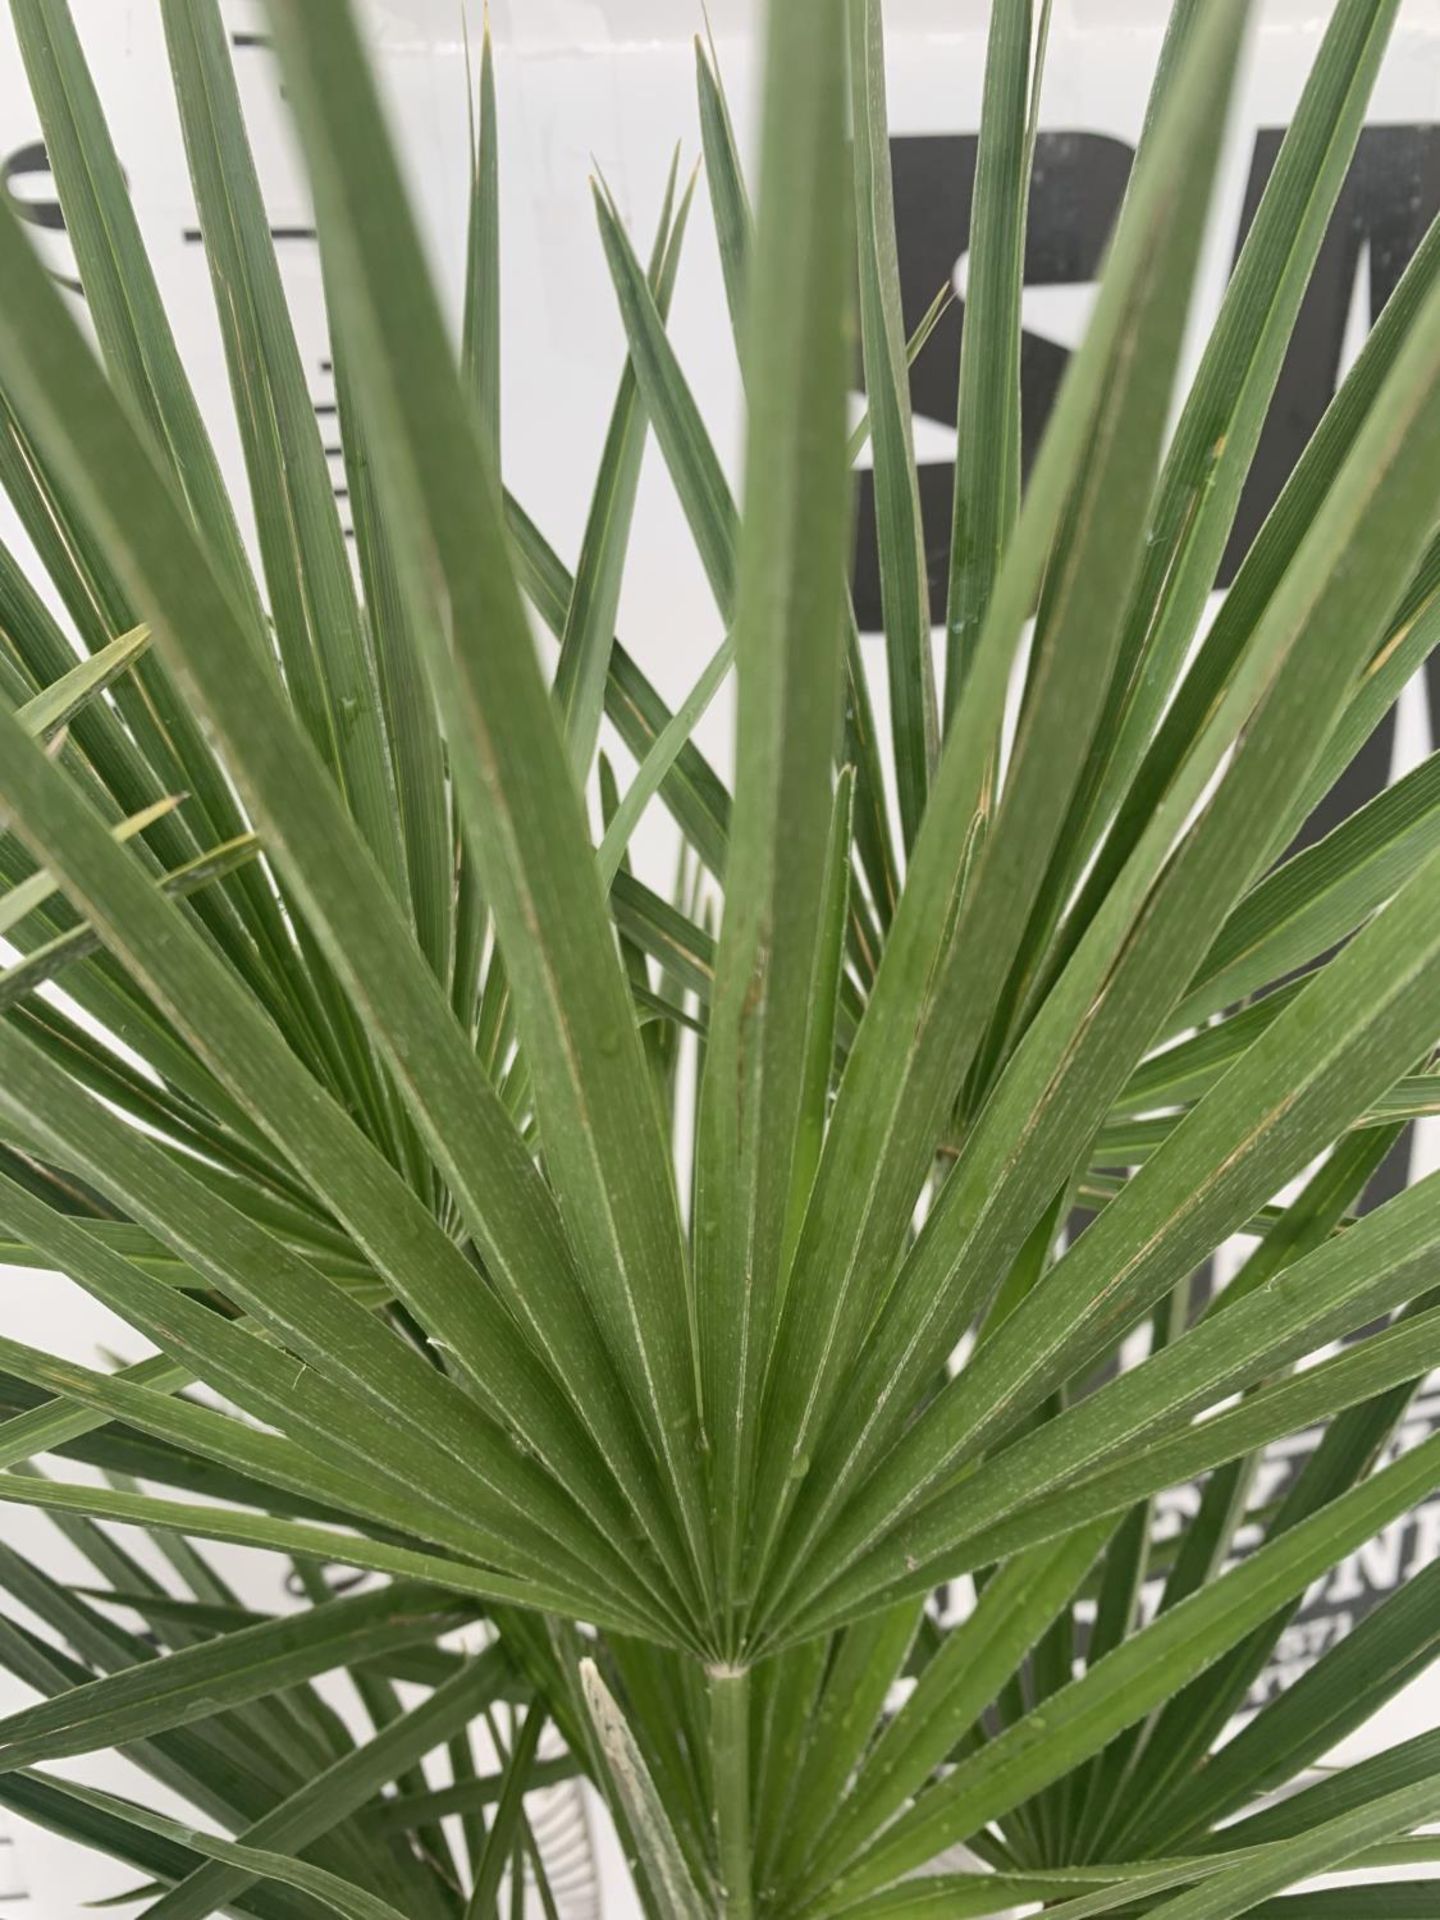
(673, 1287)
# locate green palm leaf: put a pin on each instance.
(665, 1281)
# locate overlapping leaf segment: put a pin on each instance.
(591, 1254)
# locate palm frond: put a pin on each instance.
(620, 1304)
